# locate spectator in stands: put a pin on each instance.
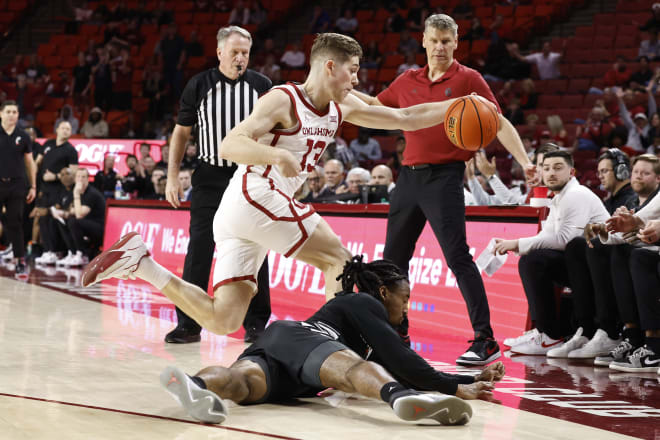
(595, 131)
(316, 184)
(293, 58)
(28, 97)
(407, 44)
(95, 126)
(372, 57)
(270, 68)
(46, 219)
(163, 14)
(546, 61)
(650, 47)
(462, 11)
(364, 84)
(240, 15)
(81, 81)
(193, 47)
(638, 126)
(395, 23)
(134, 180)
(653, 23)
(408, 64)
(528, 96)
(641, 78)
(476, 31)
(494, 29)
(397, 157)
(60, 87)
(347, 24)
(334, 177)
(514, 113)
(185, 179)
(151, 184)
(365, 147)
(159, 188)
(172, 49)
(91, 53)
(221, 6)
(504, 61)
(145, 151)
(354, 178)
(66, 114)
(618, 75)
(258, 14)
(478, 184)
(106, 180)
(320, 21)
(164, 156)
(382, 175)
(35, 69)
(157, 90)
(542, 263)
(11, 71)
(190, 159)
(417, 15)
(558, 134)
(102, 75)
(122, 80)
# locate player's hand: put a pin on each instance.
(492, 373)
(32, 193)
(650, 233)
(173, 190)
(287, 163)
(532, 174)
(593, 230)
(49, 176)
(341, 189)
(477, 390)
(504, 246)
(469, 169)
(485, 167)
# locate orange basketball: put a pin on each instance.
(471, 123)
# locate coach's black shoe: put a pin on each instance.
(482, 351)
(182, 336)
(21, 270)
(252, 334)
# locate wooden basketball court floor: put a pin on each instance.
(84, 364)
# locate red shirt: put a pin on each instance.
(431, 145)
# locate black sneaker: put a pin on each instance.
(252, 334)
(182, 336)
(21, 269)
(481, 352)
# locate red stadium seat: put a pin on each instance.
(549, 101)
(572, 101)
(578, 85)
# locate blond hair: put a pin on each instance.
(337, 47)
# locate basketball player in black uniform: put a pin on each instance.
(350, 345)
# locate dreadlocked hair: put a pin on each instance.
(368, 277)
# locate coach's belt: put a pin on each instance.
(421, 166)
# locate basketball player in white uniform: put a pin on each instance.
(277, 145)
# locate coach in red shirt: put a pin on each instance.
(430, 185)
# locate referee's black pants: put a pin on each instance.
(436, 194)
(209, 184)
(12, 197)
(540, 271)
(589, 272)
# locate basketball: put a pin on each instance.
(471, 123)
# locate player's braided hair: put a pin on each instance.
(368, 277)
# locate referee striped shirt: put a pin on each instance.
(214, 104)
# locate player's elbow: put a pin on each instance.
(407, 120)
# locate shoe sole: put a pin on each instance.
(448, 410)
(633, 369)
(488, 360)
(201, 404)
(602, 363)
(105, 260)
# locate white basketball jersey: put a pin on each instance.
(307, 140)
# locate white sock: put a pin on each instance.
(152, 272)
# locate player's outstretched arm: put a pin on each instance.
(358, 112)
(273, 110)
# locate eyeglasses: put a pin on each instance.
(604, 171)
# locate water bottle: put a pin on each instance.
(118, 190)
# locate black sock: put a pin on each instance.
(653, 344)
(393, 390)
(634, 335)
(198, 381)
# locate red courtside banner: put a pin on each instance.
(297, 289)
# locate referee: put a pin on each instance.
(15, 152)
(214, 101)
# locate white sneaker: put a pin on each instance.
(529, 334)
(47, 258)
(6, 256)
(201, 404)
(448, 410)
(539, 344)
(119, 261)
(77, 260)
(9, 250)
(64, 261)
(599, 345)
(574, 343)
